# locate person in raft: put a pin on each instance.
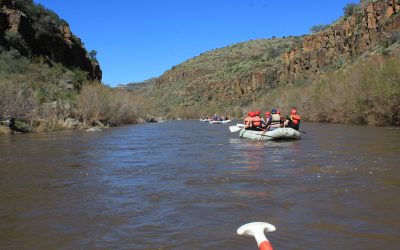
(264, 121)
(293, 120)
(258, 122)
(253, 121)
(267, 115)
(274, 120)
(216, 117)
(247, 120)
(282, 118)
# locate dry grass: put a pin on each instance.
(366, 93)
(45, 97)
(4, 130)
(97, 102)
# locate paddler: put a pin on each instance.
(248, 120)
(274, 120)
(293, 120)
(256, 121)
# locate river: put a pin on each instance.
(190, 185)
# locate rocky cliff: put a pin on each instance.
(240, 80)
(36, 31)
(349, 38)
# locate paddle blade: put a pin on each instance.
(234, 129)
(254, 227)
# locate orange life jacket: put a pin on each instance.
(295, 119)
(256, 120)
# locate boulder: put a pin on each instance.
(73, 123)
(99, 124)
(94, 129)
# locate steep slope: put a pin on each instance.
(231, 74)
(241, 74)
(35, 31)
(48, 81)
(46, 74)
(379, 22)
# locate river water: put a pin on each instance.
(190, 185)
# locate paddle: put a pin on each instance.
(236, 128)
(257, 229)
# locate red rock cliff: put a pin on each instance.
(344, 40)
(44, 37)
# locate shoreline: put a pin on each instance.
(4, 130)
(70, 124)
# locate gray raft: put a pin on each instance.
(276, 134)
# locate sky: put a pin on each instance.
(139, 39)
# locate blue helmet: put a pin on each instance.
(273, 111)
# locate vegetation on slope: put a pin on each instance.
(46, 75)
(210, 82)
(34, 30)
(239, 58)
(367, 92)
(201, 76)
(44, 97)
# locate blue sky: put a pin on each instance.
(140, 39)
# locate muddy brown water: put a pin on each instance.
(190, 185)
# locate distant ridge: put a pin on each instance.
(138, 86)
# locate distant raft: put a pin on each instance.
(276, 134)
(220, 122)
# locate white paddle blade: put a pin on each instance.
(254, 227)
(234, 129)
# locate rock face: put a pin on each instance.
(35, 31)
(308, 56)
(347, 39)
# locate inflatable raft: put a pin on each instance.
(276, 134)
(220, 122)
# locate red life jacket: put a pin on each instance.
(256, 121)
(295, 119)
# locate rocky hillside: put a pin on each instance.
(35, 31)
(230, 74)
(240, 74)
(378, 23)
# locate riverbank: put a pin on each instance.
(45, 98)
(69, 124)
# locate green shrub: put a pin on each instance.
(394, 38)
(318, 28)
(93, 55)
(350, 9)
(15, 40)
